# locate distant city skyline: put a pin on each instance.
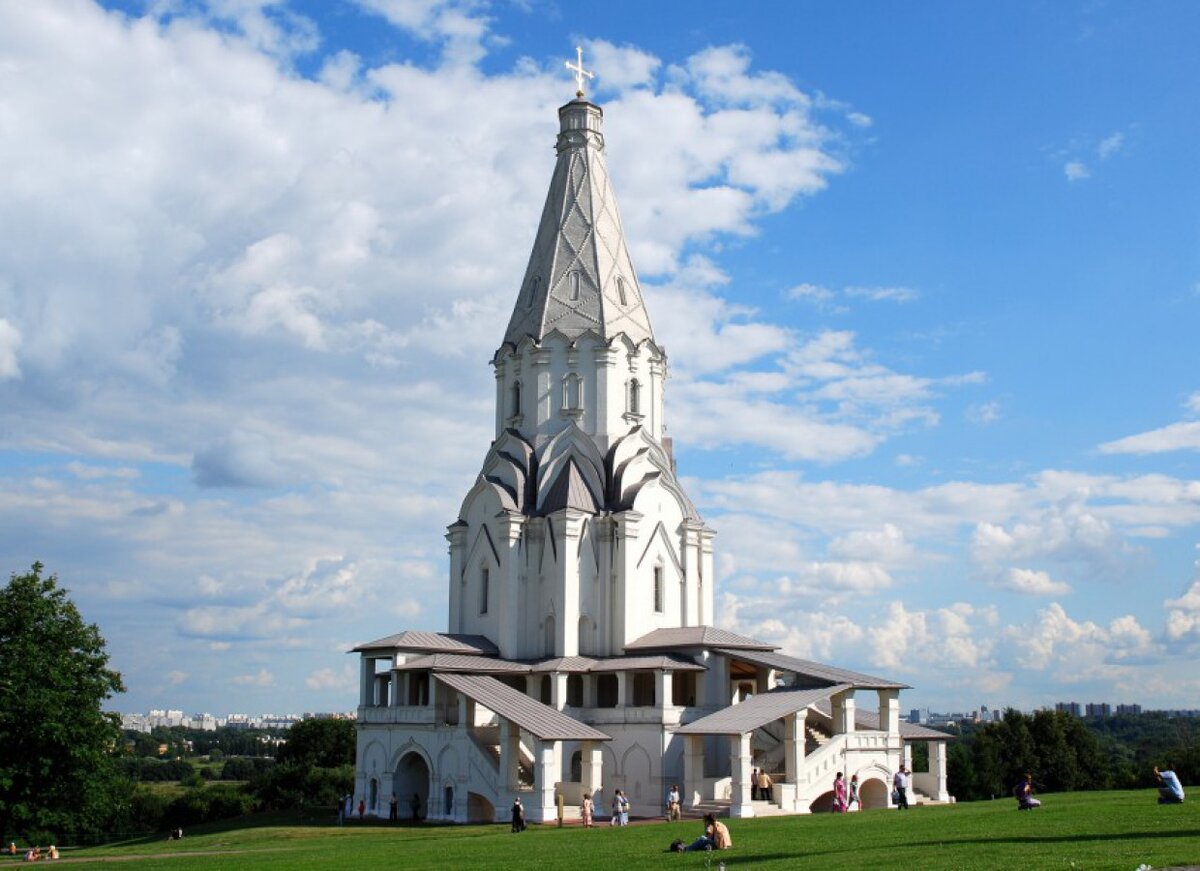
(927, 277)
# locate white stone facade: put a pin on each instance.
(581, 655)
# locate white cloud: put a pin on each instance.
(1184, 436)
(344, 680)
(1031, 582)
(1076, 171)
(176, 677)
(812, 292)
(1110, 145)
(262, 678)
(886, 545)
(10, 343)
(984, 413)
(1183, 613)
(883, 294)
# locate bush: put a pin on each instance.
(206, 804)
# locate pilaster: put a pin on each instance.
(741, 804)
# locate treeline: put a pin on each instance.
(1065, 753)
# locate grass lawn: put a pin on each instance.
(1118, 830)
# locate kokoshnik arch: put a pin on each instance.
(581, 655)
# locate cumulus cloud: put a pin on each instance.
(1031, 582)
(344, 680)
(1183, 614)
(261, 678)
(1183, 436)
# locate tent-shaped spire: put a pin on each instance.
(580, 277)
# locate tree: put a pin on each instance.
(325, 742)
(57, 768)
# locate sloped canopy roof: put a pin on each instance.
(431, 642)
(646, 663)
(757, 711)
(440, 662)
(542, 721)
(695, 636)
(816, 670)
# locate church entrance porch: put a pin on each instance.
(411, 782)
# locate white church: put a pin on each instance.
(580, 655)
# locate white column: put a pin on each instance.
(889, 711)
(693, 770)
(793, 751)
(589, 690)
(662, 688)
(558, 690)
(545, 777)
(937, 770)
(366, 688)
(622, 687)
(842, 708)
(592, 771)
(507, 779)
(739, 768)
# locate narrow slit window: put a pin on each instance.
(484, 578)
(516, 398)
(621, 290)
(635, 398)
(573, 280)
(531, 293)
(658, 589)
(571, 389)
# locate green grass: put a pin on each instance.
(1110, 830)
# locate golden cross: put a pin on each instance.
(579, 71)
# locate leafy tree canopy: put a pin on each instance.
(321, 743)
(57, 771)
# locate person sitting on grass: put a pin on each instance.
(1024, 794)
(1170, 790)
(715, 837)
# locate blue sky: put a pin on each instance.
(928, 276)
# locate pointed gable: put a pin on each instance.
(580, 277)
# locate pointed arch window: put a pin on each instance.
(573, 285)
(621, 290)
(634, 401)
(572, 392)
(484, 579)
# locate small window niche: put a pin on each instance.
(572, 395)
(658, 589)
(621, 291)
(484, 583)
(573, 285)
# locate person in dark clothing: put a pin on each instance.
(518, 815)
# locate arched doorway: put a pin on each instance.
(873, 793)
(822, 804)
(479, 809)
(412, 780)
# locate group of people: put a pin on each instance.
(34, 854)
(845, 797)
(760, 785)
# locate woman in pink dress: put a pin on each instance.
(585, 810)
(839, 794)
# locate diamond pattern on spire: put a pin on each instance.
(579, 253)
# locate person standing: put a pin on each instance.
(900, 788)
(518, 815)
(753, 784)
(393, 808)
(362, 808)
(839, 794)
(585, 810)
(1170, 790)
(673, 803)
(348, 807)
(764, 784)
(624, 808)
(854, 803)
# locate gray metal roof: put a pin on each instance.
(915, 732)
(543, 721)
(440, 662)
(646, 663)
(567, 664)
(695, 636)
(820, 671)
(431, 642)
(757, 711)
